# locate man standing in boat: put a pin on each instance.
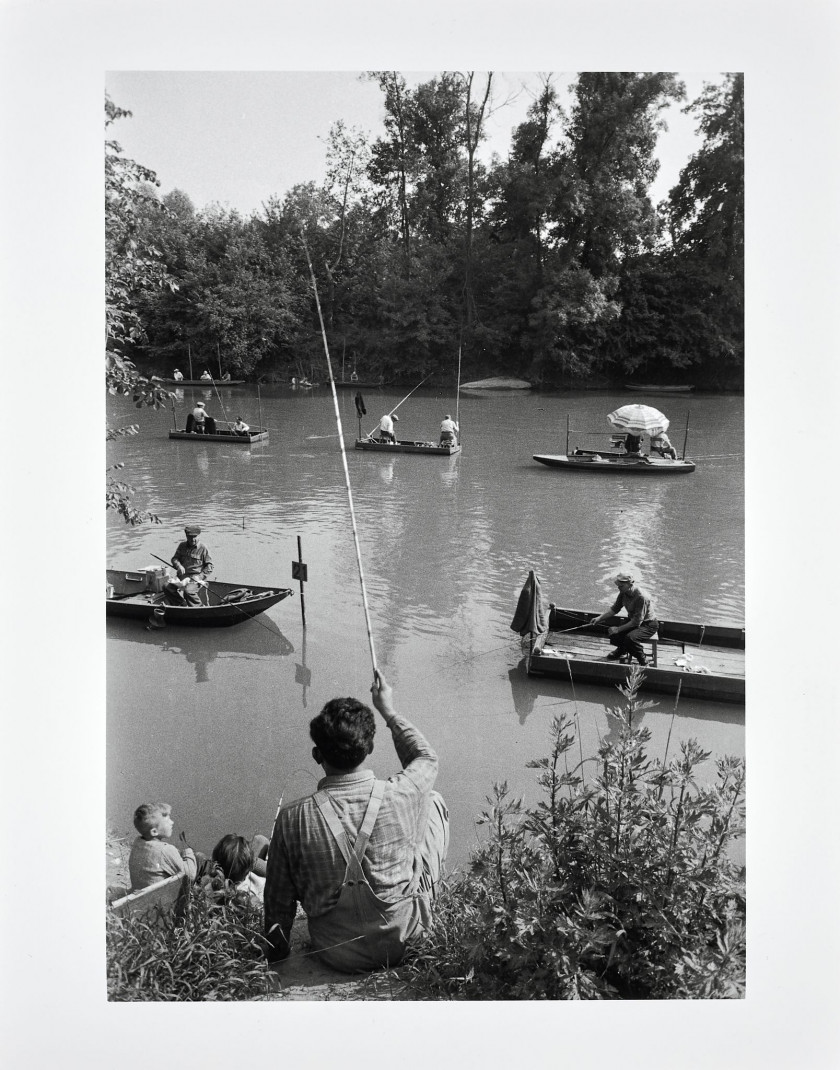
(191, 561)
(363, 856)
(178, 376)
(386, 427)
(448, 431)
(628, 633)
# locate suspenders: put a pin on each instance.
(354, 854)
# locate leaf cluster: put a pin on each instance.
(617, 884)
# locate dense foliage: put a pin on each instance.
(617, 885)
(553, 264)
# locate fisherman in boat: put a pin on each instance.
(448, 431)
(191, 561)
(628, 633)
(178, 376)
(200, 422)
(225, 378)
(240, 427)
(363, 902)
(386, 427)
(662, 445)
(633, 444)
(206, 376)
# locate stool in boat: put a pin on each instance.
(655, 640)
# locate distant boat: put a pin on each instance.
(498, 383)
(647, 388)
(405, 446)
(199, 382)
(613, 461)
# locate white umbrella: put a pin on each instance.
(639, 419)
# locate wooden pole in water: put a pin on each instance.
(567, 434)
(685, 440)
(259, 402)
(343, 459)
(300, 578)
(174, 417)
(219, 355)
(189, 355)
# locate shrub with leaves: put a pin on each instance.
(618, 884)
(212, 950)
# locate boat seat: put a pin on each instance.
(654, 641)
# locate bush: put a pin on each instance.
(615, 886)
(213, 950)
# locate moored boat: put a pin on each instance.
(202, 382)
(649, 388)
(406, 446)
(704, 661)
(498, 382)
(129, 594)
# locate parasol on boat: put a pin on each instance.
(530, 615)
(639, 419)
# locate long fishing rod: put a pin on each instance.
(407, 396)
(343, 458)
(458, 395)
(219, 396)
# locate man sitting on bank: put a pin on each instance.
(362, 855)
(627, 633)
(192, 562)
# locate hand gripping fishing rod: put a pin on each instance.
(343, 458)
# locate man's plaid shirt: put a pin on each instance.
(305, 864)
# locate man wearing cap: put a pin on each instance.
(198, 418)
(192, 563)
(448, 431)
(628, 633)
(386, 427)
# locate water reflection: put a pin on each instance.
(386, 472)
(253, 640)
(303, 675)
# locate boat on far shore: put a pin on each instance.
(649, 388)
(498, 383)
(199, 382)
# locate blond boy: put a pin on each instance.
(152, 859)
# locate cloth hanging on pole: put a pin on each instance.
(530, 617)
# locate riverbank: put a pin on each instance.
(302, 976)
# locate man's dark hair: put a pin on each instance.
(343, 732)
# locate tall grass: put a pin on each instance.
(212, 950)
(617, 884)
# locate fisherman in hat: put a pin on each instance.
(178, 376)
(448, 431)
(192, 562)
(628, 633)
(386, 427)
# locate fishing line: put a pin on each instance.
(343, 458)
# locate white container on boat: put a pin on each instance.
(109, 590)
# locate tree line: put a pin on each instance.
(553, 264)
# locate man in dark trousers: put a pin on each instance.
(192, 562)
(363, 856)
(627, 633)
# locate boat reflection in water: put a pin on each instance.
(253, 640)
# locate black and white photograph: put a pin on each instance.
(451, 440)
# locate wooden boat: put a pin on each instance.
(228, 603)
(498, 383)
(237, 438)
(614, 461)
(201, 382)
(703, 661)
(359, 384)
(648, 388)
(405, 446)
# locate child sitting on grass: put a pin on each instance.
(152, 859)
(240, 866)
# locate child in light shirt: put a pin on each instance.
(152, 858)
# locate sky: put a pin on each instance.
(239, 137)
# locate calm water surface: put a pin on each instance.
(215, 721)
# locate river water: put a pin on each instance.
(215, 721)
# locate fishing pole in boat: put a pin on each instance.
(343, 457)
(221, 403)
(407, 396)
(458, 396)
